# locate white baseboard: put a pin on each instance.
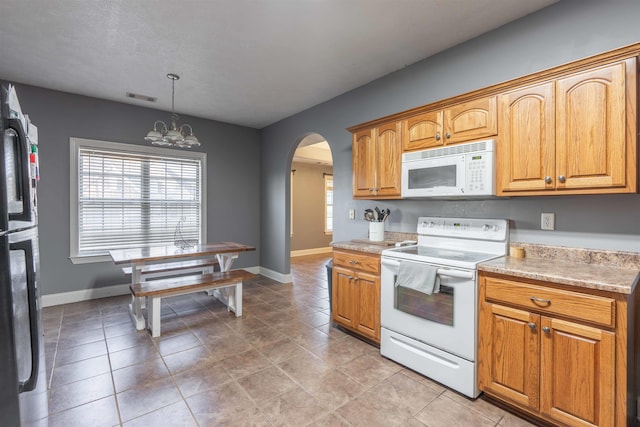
(116, 290)
(282, 278)
(313, 251)
(84, 295)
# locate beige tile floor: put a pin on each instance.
(281, 364)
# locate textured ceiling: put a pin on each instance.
(249, 62)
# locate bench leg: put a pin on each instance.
(135, 309)
(237, 299)
(153, 311)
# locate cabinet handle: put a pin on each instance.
(356, 279)
(546, 330)
(562, 178)
(370, 190)
(448, 135)
(547, 179)
(540, 300)
(353, 261)
(438, 136)
(532, 326)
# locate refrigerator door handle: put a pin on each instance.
(27, 247)
(22, 169)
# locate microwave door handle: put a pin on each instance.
(22, 171)
(30, 383)
(456, 273)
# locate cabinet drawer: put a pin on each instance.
(576, 305)
(369, 263)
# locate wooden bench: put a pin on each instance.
(206, 265)
(153, 291)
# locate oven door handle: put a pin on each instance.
(456, 273)
(460, 274)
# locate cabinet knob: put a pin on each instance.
(532, 326)
(448, 135)
(370, 190)
(562, 178)
(376, 189)
(547, 179)
(438, 136)
(356, 279)
(546, 329)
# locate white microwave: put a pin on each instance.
(461, 170)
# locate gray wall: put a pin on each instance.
(566, 31)
(233, 176)
(308, 207)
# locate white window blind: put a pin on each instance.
(135, 199)
(328, 204)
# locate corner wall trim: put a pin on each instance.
(314, 251)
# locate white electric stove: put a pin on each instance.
(436, 334)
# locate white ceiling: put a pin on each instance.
(249, 62)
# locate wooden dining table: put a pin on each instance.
(175, 259)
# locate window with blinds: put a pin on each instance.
(129, 197)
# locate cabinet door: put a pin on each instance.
(364, 163)
(368, 305)
(342, 295)
(526, 155)
(471, 120)
(422, 131)
(388, 160)
(509, 356)
(577, 384)
(591, 128)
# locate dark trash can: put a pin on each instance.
(329, 279)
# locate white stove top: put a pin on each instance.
(455, 242)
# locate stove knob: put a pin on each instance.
(485, 227)
(496, 228)
(431, 224)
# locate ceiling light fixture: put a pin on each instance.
(173, 136)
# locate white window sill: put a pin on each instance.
(90, 259)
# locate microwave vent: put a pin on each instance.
(452, 150)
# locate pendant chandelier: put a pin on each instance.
(173, 136)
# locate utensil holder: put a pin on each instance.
(376, 231)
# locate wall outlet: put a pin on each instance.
(352, 214)
(548, 221)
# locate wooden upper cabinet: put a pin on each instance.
(591, 128)
(526, 153)
(458, 123)
(364, 163)
(471, 120)
(573, 135)
(422, 131)
(377, 160)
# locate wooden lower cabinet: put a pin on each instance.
(356, 293)
(566, 371)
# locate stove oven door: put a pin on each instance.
(445, 320)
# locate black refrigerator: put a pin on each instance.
(23, 385)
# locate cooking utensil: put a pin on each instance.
(378, 214)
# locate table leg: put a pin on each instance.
(154, 315)
(231, 296)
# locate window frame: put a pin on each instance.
(328, 177)
(75, 144)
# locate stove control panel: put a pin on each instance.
(468, 228)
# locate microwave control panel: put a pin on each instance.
(479, 174)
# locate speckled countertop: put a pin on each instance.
(390, 238)
(610, 271)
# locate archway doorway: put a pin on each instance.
(311, 202)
